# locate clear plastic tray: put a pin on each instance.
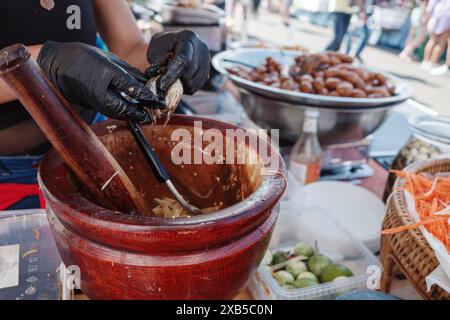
(434, 130)
(308, 224)
(28, 257)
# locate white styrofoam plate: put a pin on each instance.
(360, 211)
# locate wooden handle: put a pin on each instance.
(72, 138)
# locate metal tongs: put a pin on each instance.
(158, 168)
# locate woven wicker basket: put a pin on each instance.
(409, 250)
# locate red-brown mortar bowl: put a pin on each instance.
(135, 257)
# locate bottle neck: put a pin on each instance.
(310, 125)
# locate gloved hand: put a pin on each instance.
(92, 78)
(185, 56)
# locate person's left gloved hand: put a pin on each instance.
(183, 55)
(95, 79)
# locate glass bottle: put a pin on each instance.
(305, 160)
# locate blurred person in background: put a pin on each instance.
(255, 7)
(361, 31)
(439, 28)
(418, 31)
(342, 11)
(443, 70)
(218, 3)
(286, 11)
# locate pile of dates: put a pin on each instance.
(328, 73)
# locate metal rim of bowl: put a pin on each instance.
(324, 108)
(314, 100)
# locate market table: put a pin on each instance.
(386, 142)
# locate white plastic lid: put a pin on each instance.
(432, 129)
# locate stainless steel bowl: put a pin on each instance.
(335, 125)
(341, 119)
(207, 22)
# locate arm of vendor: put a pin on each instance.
(91, 78)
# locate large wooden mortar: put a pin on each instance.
(123, 256)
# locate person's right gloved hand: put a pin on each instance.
(183, 55)
(92, 78)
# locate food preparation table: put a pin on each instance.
(387, 140)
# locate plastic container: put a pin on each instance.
(434, 130)
(430, 140)
(28, 257)
(297, 223)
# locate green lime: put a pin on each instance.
(334, 271)
(318, 263)
(304, 283)
(279, 257)
(296, 267)
(302, 249)
(288, 286)
(340, 278)
(308, 275)
(284, 277)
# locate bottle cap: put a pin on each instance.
(312, 113)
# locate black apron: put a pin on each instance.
(28, 22)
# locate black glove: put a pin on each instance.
(92, 78)
(185, 56)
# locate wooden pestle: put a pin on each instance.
(72, 138)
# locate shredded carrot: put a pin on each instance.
(432, 198)
(412, 226)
